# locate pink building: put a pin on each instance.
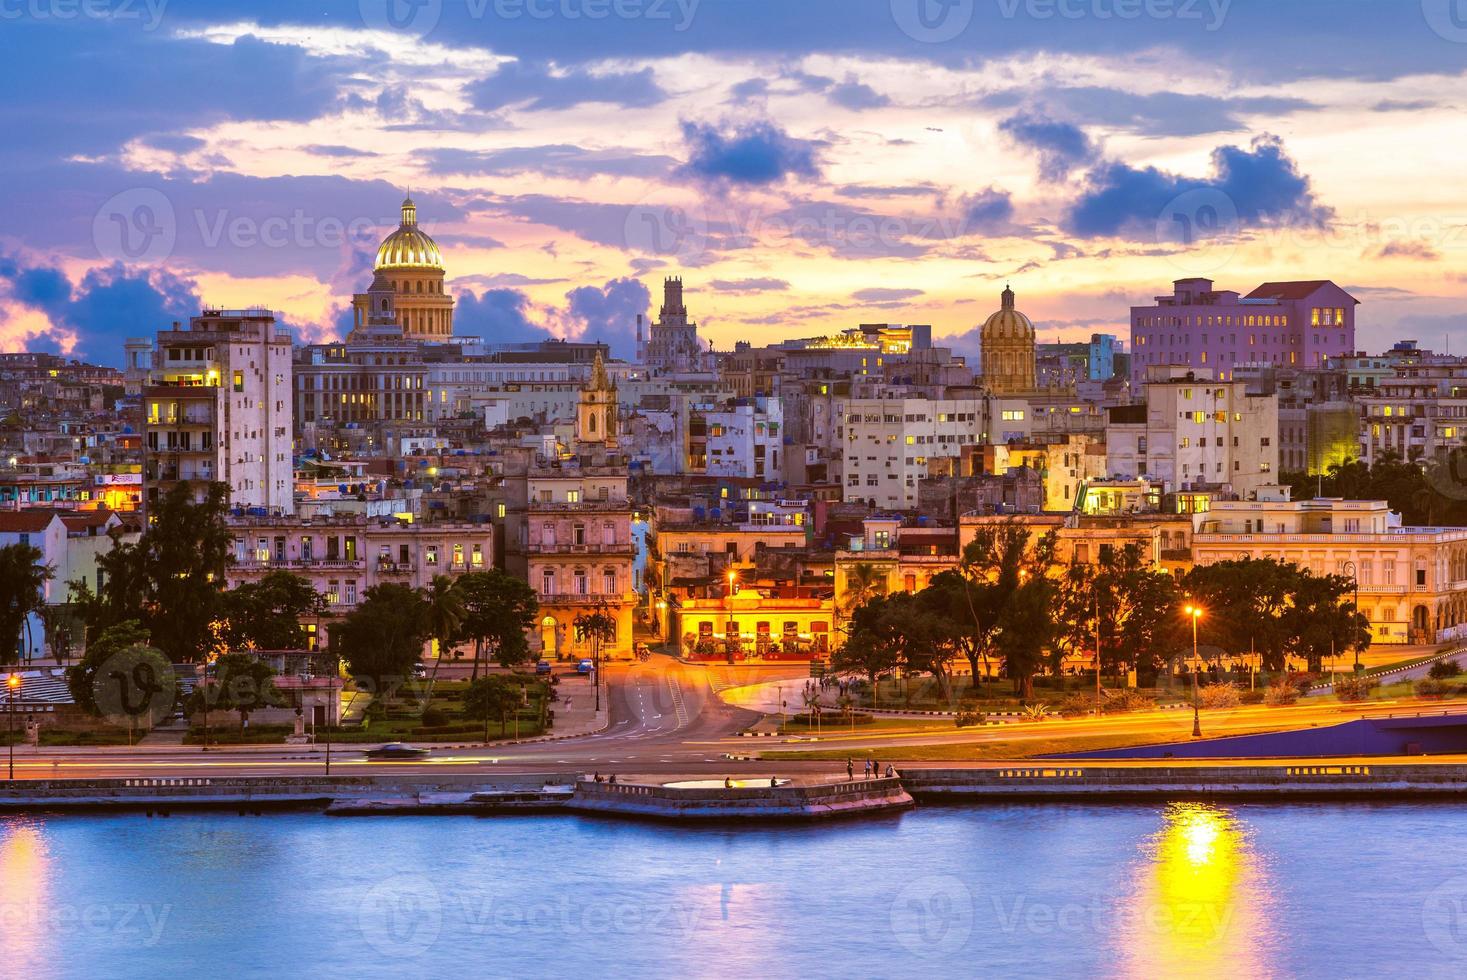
(1290, 324)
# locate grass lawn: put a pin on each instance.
(96, 736)
(833, 725)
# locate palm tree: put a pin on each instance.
(22, 592)
(864, 582)
(445, 616)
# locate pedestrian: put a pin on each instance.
(890, 772)
(875, 767)
(773, 781)
(850, 769)
(612, 780)
(728, 782)
(866, 769)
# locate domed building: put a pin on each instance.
(1007, 343)
(409, 262)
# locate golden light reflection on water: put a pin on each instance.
(25, 928)
(1199, 903)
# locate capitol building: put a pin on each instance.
(409, 264)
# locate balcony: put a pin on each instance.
(583, 599)
(595, 548)
(306, 564)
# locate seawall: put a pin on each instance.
(787, 802)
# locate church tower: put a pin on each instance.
(596, 422)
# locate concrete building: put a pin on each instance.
(1418, 413)
(1196, 433)
(672, 344)
(1287, 324)
(1412, 580)
(219, 408)
(70, 543)
(742, 438)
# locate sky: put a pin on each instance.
(804, 165)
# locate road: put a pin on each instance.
(665, 717)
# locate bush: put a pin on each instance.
(1443, 669)
(1251, 697)
(434, 717)
(1281, 693)
(1119, 702)
(1219, 696)
(1355, 688)
(1076, 705)
(967, 719)
(1432, 687)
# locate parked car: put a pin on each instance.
(585, 667)
(396, 751)
(420, 669)
(543, 667)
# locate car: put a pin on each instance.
(420, 669)
(585, 667)
(396, 751)
(543, 667)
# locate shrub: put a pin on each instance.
(1443, 669)
(1355, 688)
(1251, 697)
(967, 719)
(1281, 693)
(1219, 696)
(1432, 687)
(1117, 702)
(1035, 712)
(1076, 705)
(434, 717)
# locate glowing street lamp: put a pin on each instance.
(12, 687)
(1195, 612)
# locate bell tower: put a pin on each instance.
(596, 422)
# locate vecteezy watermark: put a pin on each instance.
(1444, 917)
(136, 225)
(668, 229)
(420, 17)
(134, 688)
(1202, 217)
(116, 922)
(405, 916)
(142, 225)
(933, 916)
(1447, 18)
(1200, 923)
(939, 21)
(147, 12)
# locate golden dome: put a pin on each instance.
(408, 247)
(1008, 323)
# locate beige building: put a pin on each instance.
(1007, 339)
(1195, 433)
(1412, 580)
(410, 261)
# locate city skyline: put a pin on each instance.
(804, 171)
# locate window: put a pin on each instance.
(458, 554)
(477, 556)
(547, 582)
(239, 381)
(608, 582)
(431, 557)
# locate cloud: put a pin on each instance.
(1148, 114)
(748, 285)
(555, 160)
(857, 95)
(1403, 105)
(330, 150)
(756, 153)
(502, 279)
(109, 305)
(988, 210)
(1407, 250)
(1261, 184)
(500, 316)
(879, 296)
(609, 313)
(537, 87)
(1061, 146)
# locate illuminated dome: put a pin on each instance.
(1008, 323)
(408, 247)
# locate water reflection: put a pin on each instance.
(1199, 903)
(26, 926)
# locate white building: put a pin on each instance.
(741, 439)
(1421, 412)
(889, 441)
(70, 543)
(219, 408)
(1196, 432)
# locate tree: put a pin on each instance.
(595, 627)
(869, 648)
(864, 582)
(498, 610)
(445, 610)
(383, 638)
(1246, 603)
(1026, 628)
(123, 678)
(1010, 606)
(492, 697)
(237, 682)
(1138, 609)
(22, 591)
(268, 614)
(1321, 622)
(172, 579)
(63, 628)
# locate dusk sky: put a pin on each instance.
(805, 165)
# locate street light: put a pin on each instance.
(1196, 613)
(733, 578)
(12, 686)
(1349, 569)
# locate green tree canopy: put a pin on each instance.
(22, 589)
(122, 678)
(498, 609)
(269, 614)
(383, 638)
(494, 697)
